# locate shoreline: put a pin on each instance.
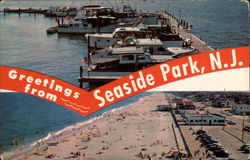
(131, 131)
(30, 147)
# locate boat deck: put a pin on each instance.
(101, 77)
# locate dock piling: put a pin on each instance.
(81, 72)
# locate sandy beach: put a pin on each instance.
(135, 131)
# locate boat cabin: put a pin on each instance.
(94, 21)
(97, 11)
(138, 31)
(153, 46)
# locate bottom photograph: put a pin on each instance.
(151, 125)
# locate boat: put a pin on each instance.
(94, 24)
(61, 12)
(127, 12)
(108, 66)
(51, 30)
(155, 46)
(97, 10)
(101, 40)
(98, 19)
(83, 24)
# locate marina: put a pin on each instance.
(170, 30)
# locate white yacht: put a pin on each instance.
(151, 46)
(104, 24)
(61, 12)
(106, 67)
(100, 40)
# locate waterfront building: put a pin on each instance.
(204, 119)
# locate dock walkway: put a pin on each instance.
(185, 32)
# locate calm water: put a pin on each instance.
(25, 44)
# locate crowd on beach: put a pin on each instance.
(137, 131)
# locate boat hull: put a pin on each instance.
(85, 30)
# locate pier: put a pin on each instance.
(21, 10)
(184, 29)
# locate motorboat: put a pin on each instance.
(118, 62)
(94, 24)
(101, 40)
(61, 12)
(155, 46)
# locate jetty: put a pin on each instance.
(24, 10)
(184, 29)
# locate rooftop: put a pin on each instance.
(203, 115)
(128, 50)
(184, 102)
(147, 41)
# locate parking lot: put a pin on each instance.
(230, 136)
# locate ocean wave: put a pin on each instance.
(5, 91)
(79, 125)
(41, 140)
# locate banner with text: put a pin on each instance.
(85, 102)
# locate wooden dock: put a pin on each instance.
(21, 10)
(185, 31)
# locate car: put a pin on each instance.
(213, 141)
(207, 141)
(214, 147)
(244, 146)
(200, 131)
(230, 122)
(204, 135)
(246, 128)
(221, 153)
(246, 149)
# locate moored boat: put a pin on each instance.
(61, 12)
(108, 66)
(155, 46)
(52, 30)
(163, 32)
(104, 24)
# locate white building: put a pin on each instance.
(242, 109)
(205, 119)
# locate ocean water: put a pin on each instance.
(25, 44)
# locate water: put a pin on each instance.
(25, 44)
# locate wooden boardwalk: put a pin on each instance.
(185, 32)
